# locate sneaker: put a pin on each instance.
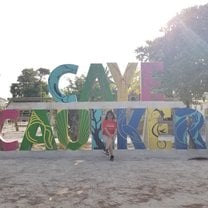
(106, 151)
(111, 158)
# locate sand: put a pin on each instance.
(83, 178)
(137, 178)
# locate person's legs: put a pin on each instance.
(110, 147)
(105, 138)
(108, 143)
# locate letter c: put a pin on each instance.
(53, 82)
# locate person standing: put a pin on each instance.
(109, 131)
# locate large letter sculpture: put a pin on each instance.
(157, 128)
(188, 123)
(124, 129)
(38, 121)
(122, 82)
(62, 128)
(53, 82)
(12, 115)
(130, 129)
(8, 114)
(96, 72)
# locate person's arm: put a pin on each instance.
(108, 133)
(115, 132)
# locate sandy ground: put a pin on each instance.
(137, 178)
(79, 179)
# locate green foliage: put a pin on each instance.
(30, 84)
(184, 51)
(134, 88)
(75, 86)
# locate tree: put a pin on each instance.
(134, 88)
(41, 73)
(183, 49)
(30, 84)
(75, 86)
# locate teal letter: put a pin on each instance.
(53, 82)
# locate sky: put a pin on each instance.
(48, 33)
